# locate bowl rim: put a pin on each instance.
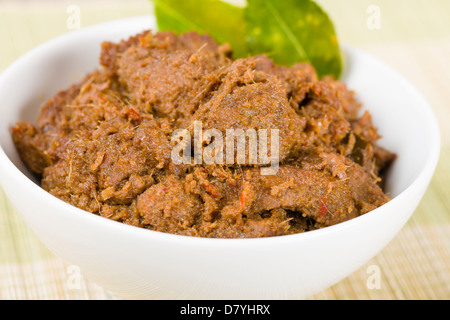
(9, 168)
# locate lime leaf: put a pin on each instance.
(222, 21)
(291, 31)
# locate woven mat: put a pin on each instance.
(411, 36)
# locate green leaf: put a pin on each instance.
(222, 21)
(290, 31)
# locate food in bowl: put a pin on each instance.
(106, 144)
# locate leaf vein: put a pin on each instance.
(297, 45)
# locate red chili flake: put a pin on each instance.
(323, 209)
(134, 115)
(143, 42)
(18, 129)
(241, 200)
(211, 190)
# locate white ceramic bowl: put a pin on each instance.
(143, 264)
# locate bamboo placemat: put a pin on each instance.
(412, 36)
